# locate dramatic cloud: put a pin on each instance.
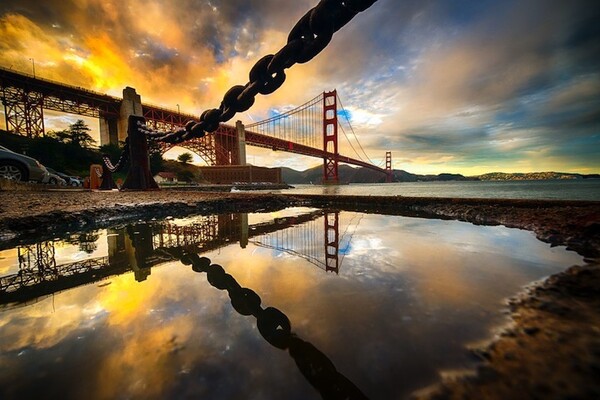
(456, 86)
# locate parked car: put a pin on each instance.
(69, 180)
(55, 178)
(76, 181)
(19, 167)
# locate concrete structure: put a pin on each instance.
(227, 174)
(130, 105)
(241, 142)
(113, 128)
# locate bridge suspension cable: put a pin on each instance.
(345, 114)
(302, 125)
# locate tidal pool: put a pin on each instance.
(378, 306)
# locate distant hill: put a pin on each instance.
(350, 174)
(502, 176)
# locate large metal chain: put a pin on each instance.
(122, 159)
(311, 34)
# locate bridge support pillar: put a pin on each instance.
(330, 138)
(131, 105)
(109, 130)
(241, 142)
(138, 176)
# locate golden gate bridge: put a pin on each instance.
(313, 235)
(310, 129)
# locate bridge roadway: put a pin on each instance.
(260, 140)
(139, 255)
(56, 96)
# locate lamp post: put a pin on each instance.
(33, 66)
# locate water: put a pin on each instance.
(588, 189)
(111, 314)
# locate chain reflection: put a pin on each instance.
(276, 328)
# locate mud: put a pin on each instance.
(550, 351)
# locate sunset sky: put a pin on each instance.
(464, 86)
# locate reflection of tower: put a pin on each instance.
(332, 241)
(234, 226)
(243, 230)
(117, 254)
(139, 249)
(37, 259)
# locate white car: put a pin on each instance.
(19, 167)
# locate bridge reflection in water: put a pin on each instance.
(312, 235)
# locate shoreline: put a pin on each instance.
(551, 349)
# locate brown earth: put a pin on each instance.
(552, 348)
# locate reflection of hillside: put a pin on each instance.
(134, 248)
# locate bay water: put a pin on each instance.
(575, 189)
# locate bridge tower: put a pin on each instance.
(388, 166)
(24, 111)
(330, 138)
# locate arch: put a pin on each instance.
(202, 147)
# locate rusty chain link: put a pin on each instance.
(311, 34)
(122, 159)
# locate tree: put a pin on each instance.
(156, 159)
(185, 176)
(79, 134)
(185, 158)
(61, 136)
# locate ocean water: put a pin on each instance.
(588, 189)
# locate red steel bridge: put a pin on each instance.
(319, 237)
(310, 129)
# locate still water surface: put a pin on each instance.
(588, 189)
(111, 315)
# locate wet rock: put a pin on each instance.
(486, 373)
(531, 330)
(554, 308)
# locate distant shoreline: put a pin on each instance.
(348, 174)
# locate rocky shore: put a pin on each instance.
(552, 348)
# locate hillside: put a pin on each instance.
(501, 176)
(350, 174)
(363, 175)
